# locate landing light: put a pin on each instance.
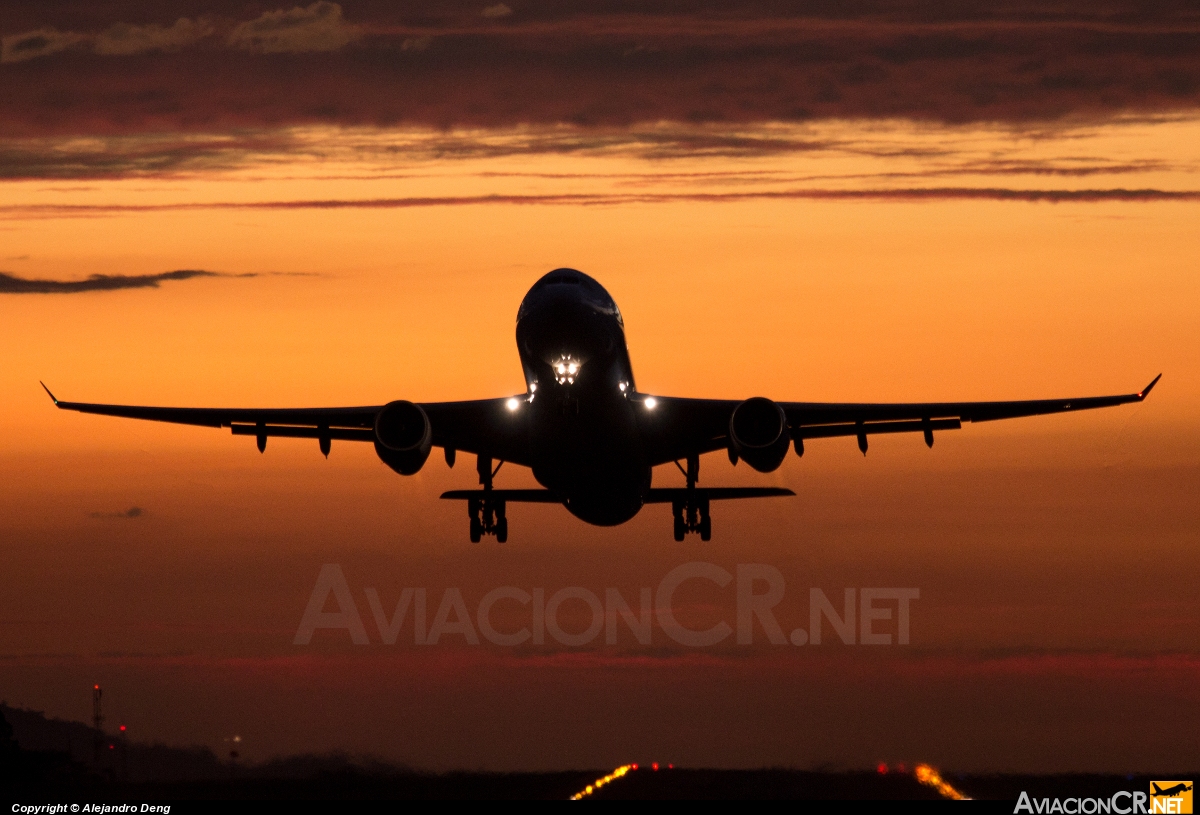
(651, 403)
(566, 367)
(513, 403)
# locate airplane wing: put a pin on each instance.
(676, 428)
(477, 426)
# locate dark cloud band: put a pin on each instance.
(17, 285)
(930, 194)
(594, 64)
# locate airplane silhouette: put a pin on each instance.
(587, 432)
(1169, 792)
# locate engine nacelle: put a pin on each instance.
(758, 434)
(403, 437)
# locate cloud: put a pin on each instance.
(496, 11)
(416, 43)
(160, 155)
(319, 27)
(132, 512)
(932, 194)
(596, 64)
(124, 39)
(39, 43)
(10, 284)
(930, 154)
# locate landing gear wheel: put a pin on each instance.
(705, 528)
(502, 530)
(476, 530)
(680, 528)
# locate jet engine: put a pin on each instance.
(758, 434)
(403, 436)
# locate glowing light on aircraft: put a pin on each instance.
(931, 778)
(513, 403)
(600, 782)
(566, 368)
(650, 403)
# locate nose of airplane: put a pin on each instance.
(562, 321)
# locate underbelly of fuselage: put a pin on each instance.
(587, 451)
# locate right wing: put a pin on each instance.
(483, 426)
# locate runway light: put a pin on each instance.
(651, 403)
(513, 403)
(600, 782)
(881, 769)
(654, 766)
(931, 778)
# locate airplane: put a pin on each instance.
(590, 436)
(1170, 792)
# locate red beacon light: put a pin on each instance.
(654, 766)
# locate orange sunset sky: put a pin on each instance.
(916, 202)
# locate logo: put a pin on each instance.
(1174, 797)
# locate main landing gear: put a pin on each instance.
(691, 513)
(487, 513)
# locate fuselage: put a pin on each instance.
(585, 445)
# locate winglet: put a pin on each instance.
(52, 396)
(1146, 390)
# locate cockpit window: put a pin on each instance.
(595, 293)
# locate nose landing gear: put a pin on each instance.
(691, 514)
(487, 513)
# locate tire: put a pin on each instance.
(502, 530)
(476, 530)
(680, 529)
(706, 528)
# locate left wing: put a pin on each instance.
(677, 428)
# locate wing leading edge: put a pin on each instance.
(480, 426)
(804, 414)
(337, 417)
(677, 428)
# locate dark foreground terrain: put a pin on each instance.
(47, 761)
